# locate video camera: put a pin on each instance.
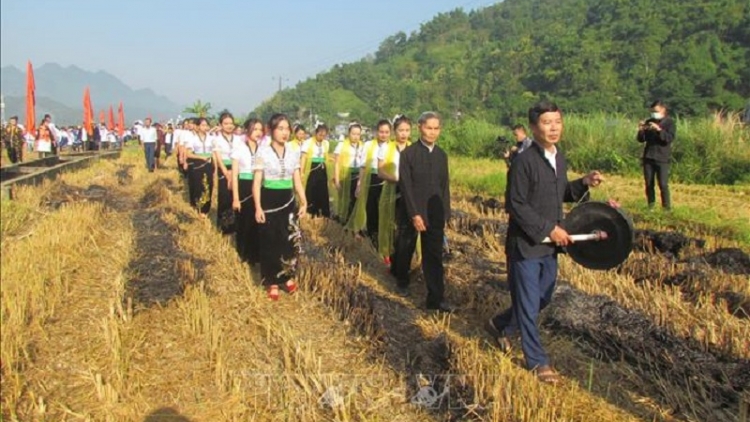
(502, 140)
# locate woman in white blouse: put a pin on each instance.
(388, 160)
(314, 159)
(347, 157)
(244, 151)
(201, 170)
(277, 178)
(223, 142)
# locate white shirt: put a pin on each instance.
(354, 159)
(178, 136)
(168, 138)
(200, 147)
(366, 151)
(319, 149)
(551, 157)
(110, 137)
(147, 134)
(429, 147)
(275, 167)
(241, 152)
(223, 146)
(54, 130)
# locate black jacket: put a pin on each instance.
(424, 185)
(658, 143)
(535, 195)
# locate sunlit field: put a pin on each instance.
(119, 303)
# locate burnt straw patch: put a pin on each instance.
(677, 372)
(157, 271)
(669, 243)
(728, 260)
(390, 326)
(622, 333)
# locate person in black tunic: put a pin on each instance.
(538, 186)
(424, 210)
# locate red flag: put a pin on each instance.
(88, 112)
(121, 121)
(30, 100)
(111, 120)
(102, 119)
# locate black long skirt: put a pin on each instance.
(316, 192)
(373, 207)
(200, 184)
(224, 212)
(278, 257)
(248, 245)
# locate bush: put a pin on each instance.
(707, 150)
(471, 138)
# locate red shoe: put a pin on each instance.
(291, 287)
(387, 261)
(273, 292)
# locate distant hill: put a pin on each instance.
(59, 91)
(610, 56)
(63, 114)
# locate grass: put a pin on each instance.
(710, 150)
(717, 212)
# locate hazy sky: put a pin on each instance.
(228, 52)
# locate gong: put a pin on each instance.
(604, 235)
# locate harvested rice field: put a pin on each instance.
(120, 303)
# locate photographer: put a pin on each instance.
(658, 133)
(522, 143)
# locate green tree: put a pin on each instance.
(199, 108)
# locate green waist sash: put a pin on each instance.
(226, 162)
(278, 184)
(318, 160)
(246, 176)
(204, 155)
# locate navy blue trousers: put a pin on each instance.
(149, 148)
(531, 283)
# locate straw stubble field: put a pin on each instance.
(119, 303)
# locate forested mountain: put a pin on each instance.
(588, 55)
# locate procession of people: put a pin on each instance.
(392, 190)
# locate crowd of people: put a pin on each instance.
(270, 174)
(49, 139)
(391, 190)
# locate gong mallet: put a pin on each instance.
(596, 235)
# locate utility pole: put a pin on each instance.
(281, 80)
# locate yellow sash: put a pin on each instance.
(387, 203)
(345, 179)
(358, 220)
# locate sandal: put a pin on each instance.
(273, 292)
(502, 341)
(547, 375)
(290, 286)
